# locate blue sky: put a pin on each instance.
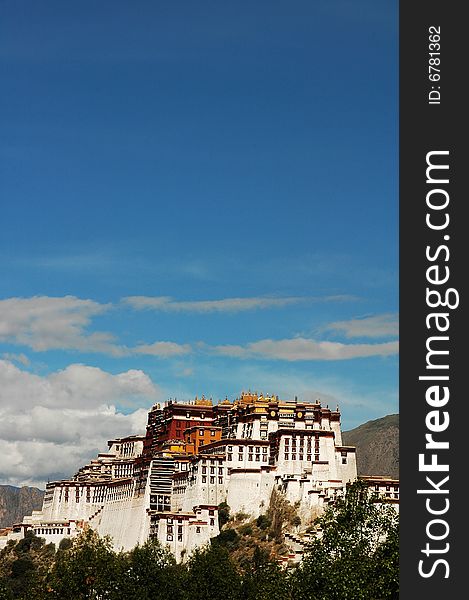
(196, 198)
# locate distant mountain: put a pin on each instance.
(16, 502)
(377, 445)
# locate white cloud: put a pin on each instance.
(376, 326)
(163, 349)
(165, 303)
(45, 323)
(51, 425)
(306, 349)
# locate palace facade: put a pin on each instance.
(169, 482)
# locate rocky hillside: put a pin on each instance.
(377, 445)
(16, 502)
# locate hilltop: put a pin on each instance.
(16, 502)
(377, 445)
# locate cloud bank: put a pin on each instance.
(386, 325)
(306, 349)
(51, 425)
(48, 323)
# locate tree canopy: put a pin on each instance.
(354, 557)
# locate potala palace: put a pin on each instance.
(169, 482)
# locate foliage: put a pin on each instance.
(357, 556)
(89, 569)
(264, 579)
(263, 522)
(23, 566)
(212, 575)
(228, 538)
(223, 514)
(281, 513)
(149, 572)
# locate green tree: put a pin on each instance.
(150, 572)
(212, 575)
(356, 558)
(23, 565)
(5, 591)
(264, 579)
(223, 514)
(89, 569)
